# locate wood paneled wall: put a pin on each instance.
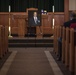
(19, 22)
(66, 10)
(59, 18)
(4, 18)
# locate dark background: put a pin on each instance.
(22, 5)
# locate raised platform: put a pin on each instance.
(31, 42)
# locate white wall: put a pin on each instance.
(72, 4)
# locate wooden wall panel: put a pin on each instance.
(14, 26)
(47, 24)
(18, 24)
(4, 19)
(21, 27)
(66, 10)
(59, 18)
(44, 20)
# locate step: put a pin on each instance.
(31, 45)
(30, 42)
(27, 40)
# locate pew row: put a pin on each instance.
(3, 40)
(57, 34)
(75, 50)
(68, 46)
(72, 51)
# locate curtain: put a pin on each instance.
(59, 5)
(22, 5)
(4, 5)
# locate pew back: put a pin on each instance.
(67, 38)
(72, 51)
(63, 44)
(3, 40)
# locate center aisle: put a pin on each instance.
(30, 61)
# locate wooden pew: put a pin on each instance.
(57, 35)
(75, 49)
(69, 48)
(67, 37)
(2, 44)
(63, 44)
(6, 38)
(72, 51)
(55, 38)
(3, 40)
(61, 31)
(1, 53)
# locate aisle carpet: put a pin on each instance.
(30, 61)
